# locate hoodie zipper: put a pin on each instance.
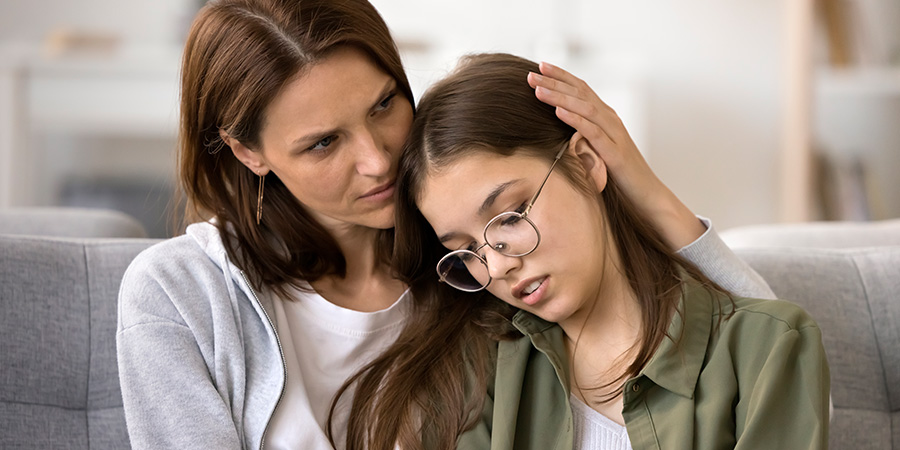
(280, 352)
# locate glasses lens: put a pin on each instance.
(512, 234)
(464, 271)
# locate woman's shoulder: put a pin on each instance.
(176, 254)
(171, 275)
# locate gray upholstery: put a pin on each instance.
(854, 294)
(59, 385)
(815, 234)
(70, 222)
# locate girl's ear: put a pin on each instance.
(253, 160)
(593, 165)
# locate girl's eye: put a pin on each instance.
(466, 258)
(386, 103)
(511, 219)
(322, 144)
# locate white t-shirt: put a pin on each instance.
(324, 344)
(594, 431)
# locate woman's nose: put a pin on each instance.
(372, 158)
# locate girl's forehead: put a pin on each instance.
(463, 185)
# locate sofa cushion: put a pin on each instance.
(854, 295)
(815, 234)
(59, 384)
(70, 222)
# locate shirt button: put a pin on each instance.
(636, 387)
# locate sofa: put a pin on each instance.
(69, 222)
(58, 374)
(59, 278)
(59, 383)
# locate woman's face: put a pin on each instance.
(333, 136)
(563, 273)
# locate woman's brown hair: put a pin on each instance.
(239, 55)
(486, 105)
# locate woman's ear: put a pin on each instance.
(252, 159)
(593, 165)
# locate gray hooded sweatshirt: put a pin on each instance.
(199, 361)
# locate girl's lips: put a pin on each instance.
(536, 296)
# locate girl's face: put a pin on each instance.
(333, 136)
(561, 278)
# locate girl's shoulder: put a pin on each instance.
(769, 313)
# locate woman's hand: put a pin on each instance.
(577, 105)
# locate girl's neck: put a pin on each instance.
(603, 340)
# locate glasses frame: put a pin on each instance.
(523, 215)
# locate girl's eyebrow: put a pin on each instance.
(485, 206)
(492, 197)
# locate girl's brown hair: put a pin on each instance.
(486, 105)
(239, 54)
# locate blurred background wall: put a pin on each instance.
(741, 106)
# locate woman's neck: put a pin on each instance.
(367, 284)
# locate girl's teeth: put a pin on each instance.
(532, 287)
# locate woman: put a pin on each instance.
(239, 333)
(613, 340)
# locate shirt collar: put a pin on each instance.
(676, 364)
(549, 339)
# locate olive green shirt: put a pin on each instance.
(757, 380)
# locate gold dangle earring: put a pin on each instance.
(259, 197)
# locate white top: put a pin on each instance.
(594, 431)
(324, 344)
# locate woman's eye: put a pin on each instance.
(386, 103)
(322, 144)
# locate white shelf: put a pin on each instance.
(130, 93)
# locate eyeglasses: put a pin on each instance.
(510, 233)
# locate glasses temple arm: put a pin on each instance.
(536, 194)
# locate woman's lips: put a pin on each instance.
(380, 193)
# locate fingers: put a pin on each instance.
(591, 110)
(558, 73)
(575, 96)
(536, 80)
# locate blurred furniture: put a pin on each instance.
(59, 383)
(847, 276)
(815, 234)
(69, 222)
(84, 115)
